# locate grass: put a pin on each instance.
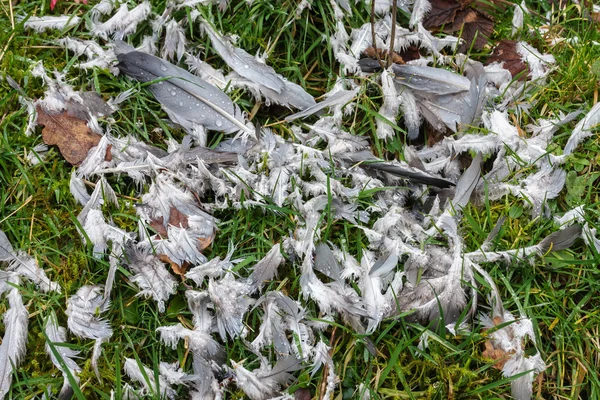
(560, 293)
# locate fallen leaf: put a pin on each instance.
(71, 134)
(443, 12)
(176, 268)
(408, 54)
(498, 355)
(176, 218)
(506, 53)
(476, 28)
(302, 394)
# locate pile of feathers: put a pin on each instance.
(323, 169)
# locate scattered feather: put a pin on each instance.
(41, 24)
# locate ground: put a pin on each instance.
(560, 292)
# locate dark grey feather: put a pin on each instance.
(183, 95)
(369, 161)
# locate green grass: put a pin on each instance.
(561, 292)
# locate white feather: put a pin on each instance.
(41, 24)
(13, 344)
(57, 336)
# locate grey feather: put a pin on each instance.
(7, 252)
(339, 98)
(467, 183)
(266, 268)
(326, 263)
(243, 63)
(560, 240)
(185, 96)
(369, 161)
(431, 80)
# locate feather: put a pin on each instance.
(25, 266)
(556, 241)
(83, 311)
(560, 240)
(78, 189)
(337, 99)
(539, 64)
(61, 355)
(430, 80)
(583, 129)
(198, 303)
(467, 183)
(41, 24)
(322, 358)
(264, 383)
(420, 9)
(174, 41)
(147, 379)
(368, 161)
(150, 275)
(266, 269)
(519, 13)
(214, 268)
(243, 63)
(13, 344)
(200, 343)
(185, 97)
(389, 108)
(326, 263)
(124, 22)
(103, 7)
(7, 253)
(410, 112)
(231, 301)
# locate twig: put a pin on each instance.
(390, 54)
(373, 36)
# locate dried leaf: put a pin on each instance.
(176, 218)
(496, 354)
(72, 135)
(443, 12)
(476, 29)
(506, 53)
(177, 269)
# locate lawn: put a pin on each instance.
(293, 189)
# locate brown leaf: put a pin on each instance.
(506, 52)
(498, 355)
(475, 27)
(443, 12)
(176, 218)
(408, 54)
(177, 269)
(72, 135)
(302, 394)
